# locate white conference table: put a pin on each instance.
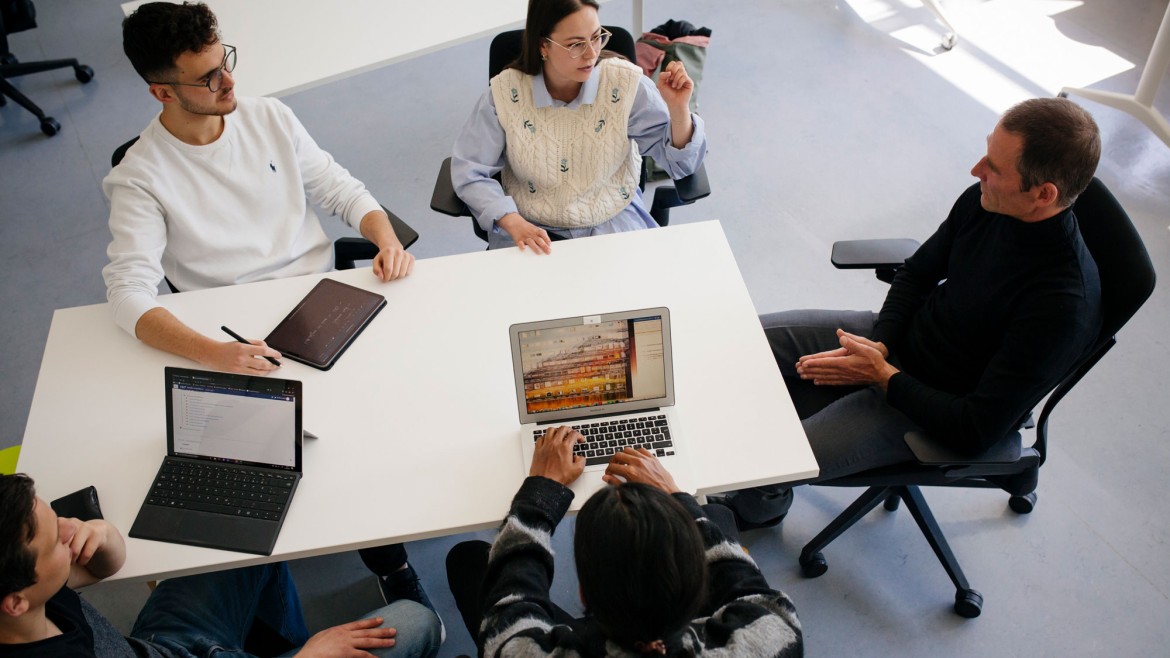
(418, 420)
(288, 46)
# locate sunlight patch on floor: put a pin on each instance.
(1008, 50)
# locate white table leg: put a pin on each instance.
(951, 37)
(1141, 104)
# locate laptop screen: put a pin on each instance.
(594, 364)
(234, 418)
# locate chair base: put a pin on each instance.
(11, 69)
(968, 602)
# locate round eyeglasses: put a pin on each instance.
(215, 78)
(576, 50)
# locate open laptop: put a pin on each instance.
(233, 462)
(611, 376)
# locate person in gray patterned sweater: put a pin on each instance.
(658, 576)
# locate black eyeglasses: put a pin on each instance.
(215, 78)
(576, 50)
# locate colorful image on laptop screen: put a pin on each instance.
(589, 365)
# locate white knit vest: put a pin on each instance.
(570, 168)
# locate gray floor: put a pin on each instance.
(827, 120)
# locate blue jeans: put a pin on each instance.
(850, 428)
(211, 614)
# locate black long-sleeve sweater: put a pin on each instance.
(985, 318)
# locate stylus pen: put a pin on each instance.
(245, 341)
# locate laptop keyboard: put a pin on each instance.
(236, 491)
(604, 438)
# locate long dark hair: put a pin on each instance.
(640, 563)
(543, 16)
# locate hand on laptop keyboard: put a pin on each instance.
(639, 465)
(554, 458)
(603, 438)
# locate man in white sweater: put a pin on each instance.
(218, 191)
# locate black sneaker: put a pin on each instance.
(404, 584)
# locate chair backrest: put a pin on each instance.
(115, 160)
(1127, 274)
(120, 153)
(1127, 281)
(15, 17)
(506, 47)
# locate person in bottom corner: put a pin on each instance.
(658, 576)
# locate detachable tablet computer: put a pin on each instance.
(325, 323)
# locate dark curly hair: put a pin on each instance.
(158, 32)
(18, 526)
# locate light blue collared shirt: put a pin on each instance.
(480, 152)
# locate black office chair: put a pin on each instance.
(346, 251)
(1127, 280)
(504, 49)
(17, 17)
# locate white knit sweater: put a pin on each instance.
(565, 167)
(233, 211)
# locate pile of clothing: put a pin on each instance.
(672, 40)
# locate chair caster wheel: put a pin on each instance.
(949, 40)
(49, 126)
(892, 503)
(813, 566)
(83, 73)
(1022, 504)
(968, 603)
(1062, 94)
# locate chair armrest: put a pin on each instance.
(347, 250)
(872, 254)
(694, 187)
(350, 249)
(882, 256)
(928, 451)
(443, 198)
(406, 234)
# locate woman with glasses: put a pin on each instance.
(565, 126)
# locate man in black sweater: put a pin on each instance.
(981, 322)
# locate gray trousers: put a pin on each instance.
(850, 428)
